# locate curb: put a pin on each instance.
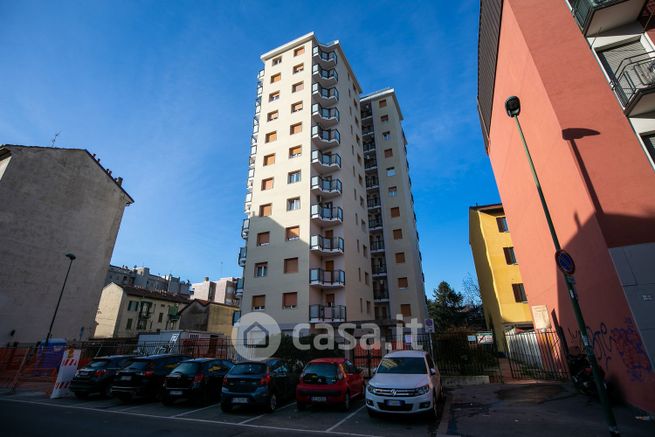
(442, 430)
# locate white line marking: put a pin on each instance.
(191, 419)
(251, 419)
(194, 411)
(339, 423)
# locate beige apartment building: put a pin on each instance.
(307, 257)
(222, 290)
(125, 311)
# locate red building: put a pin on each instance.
(585, 73)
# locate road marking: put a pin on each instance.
(194, 411)
(339, 423)
(191, 419)
(251, 419)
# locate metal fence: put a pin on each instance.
(536, 355)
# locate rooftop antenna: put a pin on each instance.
(54, 139)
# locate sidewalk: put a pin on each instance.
(541, 409)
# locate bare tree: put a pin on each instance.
(471, 291)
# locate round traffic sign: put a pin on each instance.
(565, 262)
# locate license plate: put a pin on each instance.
(239, 400)
(175, 392)
(125, 378)
(319, 399)
(394, 403)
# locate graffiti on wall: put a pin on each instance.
(624, 342)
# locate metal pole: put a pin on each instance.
(71, 257)
(570, 283)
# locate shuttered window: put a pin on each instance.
(297, 87)
(271, 136)
(295, 152)
(265, 210)
(289, 300)
(519, 293)
(291, 265)
(395, 212)
(649, 141)
(406, 310)
(295, 128)
(400, 257)
(612, 58)
(267, 184)
(299, 51)
(402, 283)
(263, 238)
(269, 159)
(276, 78)
(397, 234)
(510, 256)
(293, 233)
(259, 302)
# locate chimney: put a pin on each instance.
(119, 181)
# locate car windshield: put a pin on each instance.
(248, 369)
(140, 365)
(98, 364)
(403, 365)
(320, 373)
(186, 368)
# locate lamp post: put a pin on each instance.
(513, 108)
(71, 257)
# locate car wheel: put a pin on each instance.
(226, 407)
(372, 413)
(346, 402)
(272, 403)
(81, 395)
(301, 406)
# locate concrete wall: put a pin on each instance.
(54, 201)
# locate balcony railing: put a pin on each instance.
(594, 16)
(377, 246)
(327, 116)
(369, 146)
(327, 161)
(367, 130)
(242, 257)
(370, 164)
(327, 278)
(374, 223)
(235, 317)
(373, 203)
(327, 59)
(634, 83)
(325, 137)
(326, 245)
(245, 228)
(328, 77)
(367, 112)
(379, 270)
(326, 186)
(372, 183)
(145, 314)
(327, 96)
(327, 214)
(326, 313)
(260, 75)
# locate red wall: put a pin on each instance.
(599, 187)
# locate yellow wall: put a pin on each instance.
(220, 319)
(495, 276)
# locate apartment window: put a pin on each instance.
(359, 274)
(384, 119)
(293, 204)
(386, 136)
(132, 305)
(274, 96)
(291, 265)
(295, 152)
(129, 324)
(649, 141)
(395, 212)
(297, 87)
(269, 159)
(397, 234)
(261, 269)
(277, 60)
(359, 159)
(295, 128)
(272, 116)
(363, 225)
(361, 201)
(361, 180)
(292, 233)
(271, 136)
(160, 318)
(368, 306)
(400, 257)
(296, 107)
(406, 310)
(519, 293)
(510, 256)
(263, 238)
(366, 278)
(293, 177)
(259, 302)
(502, 224)
(289, 300)
(299, 51)
(298, 68)
(267, 184)
(402, 282)
(365, 250)
(393, 191)
(276, 77)
(388, 153)
(382, 103)
(265, 210)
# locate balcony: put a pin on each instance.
(373, 203)
(326, 187)
(258, 105)
(380, 294)
(367, 130)
(369, 146)
(326, 116)
(324, 215)
(235, 317)
(253, 150)
(247, 203)
(374, 224)
(634, 83)
(173, 314)
(325, 163)
(242, 257)
(595, 16)
(324, 138)
(145, 313)
(326, 246)
(239, 287)
(325, 96)
(245, 228)
(377, 246)
(326, 59)
(260, 90)
(325, 313)
(370, 164)
(260, 75)
(325, 77)
(379, 270)
(327, 278)
(372, 183)
(367, 112)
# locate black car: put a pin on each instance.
(263, 383)
(98, 375)
(199, 379)
(145, 376)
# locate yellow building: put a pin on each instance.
(503, 295)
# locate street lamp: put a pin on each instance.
(71, 257)
(513, 108)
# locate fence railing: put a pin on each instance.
(536, 355)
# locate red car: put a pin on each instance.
(333, 381)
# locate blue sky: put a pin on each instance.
(163, 92)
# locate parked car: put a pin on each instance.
(333, 381)
(404, 382)
(263, 383)
(199, 379)
(98, 375)
(145, 376)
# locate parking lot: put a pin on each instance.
(286, 419)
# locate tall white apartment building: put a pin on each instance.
(307, 257)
